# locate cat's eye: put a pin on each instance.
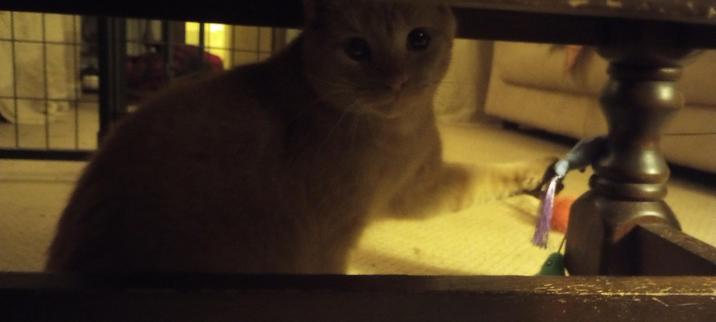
(357, 49)
(418, 39)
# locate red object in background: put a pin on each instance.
(148, 72)
(560, 213)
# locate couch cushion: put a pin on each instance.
(699, 79)
(557, 112)
(692, 120)
(542, 66)
(694, 151)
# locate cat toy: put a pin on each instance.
(560, 213)
(554, 265)
(579, 157)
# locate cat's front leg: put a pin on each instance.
(497, 181)
(432, 191)
(453, 187)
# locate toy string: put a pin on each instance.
(584, 153)
(541, 235)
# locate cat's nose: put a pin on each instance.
(396, 83)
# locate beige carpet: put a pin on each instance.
(74, 129)
(488, 239)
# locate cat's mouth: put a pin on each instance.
(388, 108)
(385, 115)
(379, 103)
(395, 104)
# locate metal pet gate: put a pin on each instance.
(64, 80)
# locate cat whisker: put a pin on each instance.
(427, 84)
(335, 126)
(331, 94)
(315, 101)
(354, 130)
(332, 83)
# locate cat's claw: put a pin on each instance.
(541, 182)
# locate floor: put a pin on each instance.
(74, 129)
(487, 239)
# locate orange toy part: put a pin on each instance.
(560, 213)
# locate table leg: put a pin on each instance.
(629, 183)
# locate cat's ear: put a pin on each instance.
(313, 13)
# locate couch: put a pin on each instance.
(556, 89)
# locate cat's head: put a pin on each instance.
(363, 56)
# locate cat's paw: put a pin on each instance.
(461, 195)
(537, 174)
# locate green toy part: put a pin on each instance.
(553, 266)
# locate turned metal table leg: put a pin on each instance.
(629, 183)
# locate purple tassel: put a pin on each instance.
(545, 216)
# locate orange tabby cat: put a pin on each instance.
(278, 167)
